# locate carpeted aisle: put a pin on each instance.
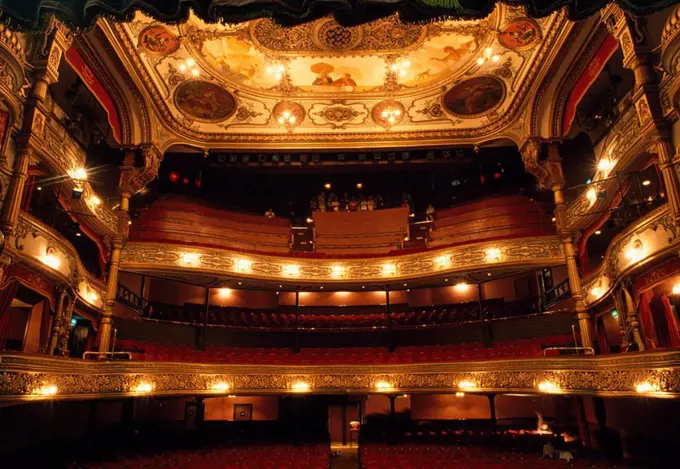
(347, 459)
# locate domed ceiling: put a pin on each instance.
(321, 85)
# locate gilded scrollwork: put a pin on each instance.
(143, 256)
(22, 375)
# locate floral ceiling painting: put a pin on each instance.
(445, 79)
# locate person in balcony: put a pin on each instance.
(363, 204)
(344, 202)
(353, 204)
(321, 201)
(370, 203)
(269, 214)
(429, 212)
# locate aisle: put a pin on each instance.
(348, 459)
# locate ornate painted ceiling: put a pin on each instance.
(322, 85)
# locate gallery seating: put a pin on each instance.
(522, 348)
(428, 456)
(241, 457)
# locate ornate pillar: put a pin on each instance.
(57, 322)
(638, 56)
(549, 174)
(105, 322)
(12, 204)
(622, 318)
(62, 345)
(632, 317)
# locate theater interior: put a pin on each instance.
(334, 234)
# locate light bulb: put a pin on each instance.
(480, 61)
(191, 62)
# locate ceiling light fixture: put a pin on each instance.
(488, 55)
(646, 182)
(190, 66)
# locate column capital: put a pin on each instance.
(134, 178)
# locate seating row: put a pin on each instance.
(522, 348)
(437, 315)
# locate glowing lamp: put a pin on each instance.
(635, 252)
(461, 287)
(548, 386)
(94, 200)
(224, 292)
(190, 258)
(78, 174)
(337, 271)
(51, 260)
(442, 261)
(597, 292)
(291, 270)
(143, 388)
(46, 390)
(467, 384)
(591, 195)
(389, 269)
(92, 297)
(604, 165)
(383, 386)
(243, 265)
(460, 394)
(646, 387)
(493, 255)
(300, 386)
(220, 386)
(676, 289)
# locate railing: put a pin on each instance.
(556, 294)
(131, 299)
(586, 350)
(107, 355)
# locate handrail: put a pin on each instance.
(131, 299)
(128, 355)
(576, 349)
(556, 294)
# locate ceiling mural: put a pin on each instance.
(374, 82)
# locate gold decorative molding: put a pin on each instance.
(514, 253)
(24, 376)
(650, 238)
(47, 251)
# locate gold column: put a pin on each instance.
(622, 311)
(65, 332)
(585, 323)
(632, 316)
(105, 323)
(669, 173)
(12, 204)
(57, 322)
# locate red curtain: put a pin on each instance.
(6, 297)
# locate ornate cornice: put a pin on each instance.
(46, 251)
(22, 376)
(645, 241)
(513, 253)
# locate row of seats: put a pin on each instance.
(430, 456)
(248, 457)
(439, 315)
(522, 348)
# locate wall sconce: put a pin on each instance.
(50, 259)
(92, 297)
(300, 386)
(597, 292)
(143, 388)
(78, 174)
(389, 269)
(288, 114)
(383, 386)
(388, 113)
(635, 252)
(605, 165)
(224, 292)
(291, 270)
(591, 195)
(493, 255)
(548, 386)
(676, 289)
(220, 386)
(442, 261)
(646, 387)
(337, 271)
(190, 259)
(244, 265)
(461, 287)
(467, 384)
(460, 394)
(46, 390)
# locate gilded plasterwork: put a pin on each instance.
(22, 375)
(527, 252)
(412, 64)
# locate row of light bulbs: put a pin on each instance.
(221, 387)
(192, 259)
